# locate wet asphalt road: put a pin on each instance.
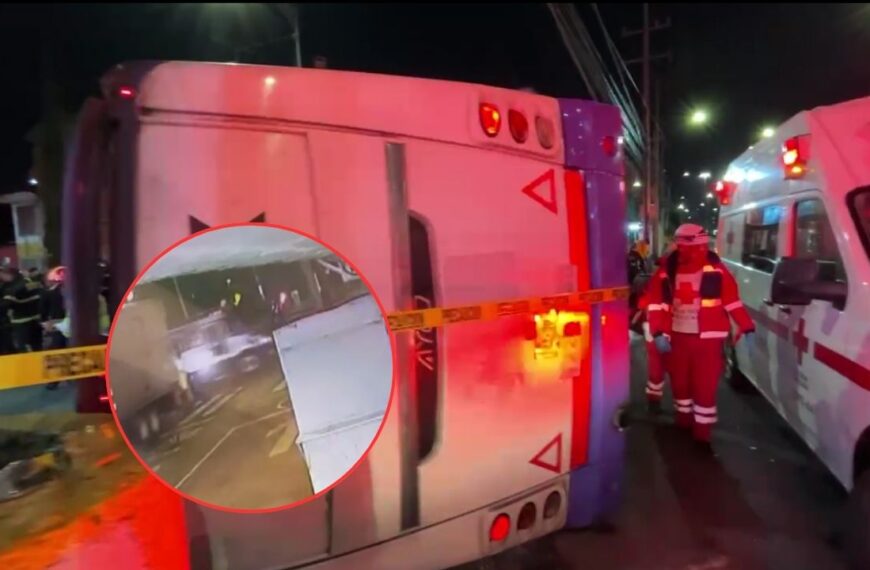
(760, 501)
(237, 447)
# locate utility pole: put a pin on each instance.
(650, 209)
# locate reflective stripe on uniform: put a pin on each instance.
(655, 307)
(647, 335)
(711, 302)
(699, 419)
(704, 409)
(24, 320)
(683, 406)
(713, 334)
(733, 306)
(654, 389)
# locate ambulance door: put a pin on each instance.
(820, 335)
(494, 419)
(761, 237)
(196, 173)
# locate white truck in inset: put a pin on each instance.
(149, 393)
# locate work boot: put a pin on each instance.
(702, 433)
(684, 421)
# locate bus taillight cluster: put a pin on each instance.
(518, 125)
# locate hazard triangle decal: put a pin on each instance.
(543, 190)
(197, 225)
(550, 457)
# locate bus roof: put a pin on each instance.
(838, 154)
(420, 108)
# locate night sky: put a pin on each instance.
(750, 65)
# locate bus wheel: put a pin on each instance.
(735, 377)
(857, 524)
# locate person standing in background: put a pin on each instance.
(23, 301)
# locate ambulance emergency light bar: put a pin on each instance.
(795, 156)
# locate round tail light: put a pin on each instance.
(519, 126)
(608, 145)
(490, 119)
(501, 527)
(546, 132)
(527, 516)
(552, 505)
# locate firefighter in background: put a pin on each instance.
(53, 311)
(692, 299)
(22, 299)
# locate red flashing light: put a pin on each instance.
(795, 155)
(571, 329)
(608, 145)
(490, 119)
(125, 92)
(530, 330)
(519, 126)
(724, 191)
(501, 527)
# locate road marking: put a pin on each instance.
(220, 403)
(284, 443)
(220, 442)
(199, 409)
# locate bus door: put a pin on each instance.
(195, 173)
(495, 413)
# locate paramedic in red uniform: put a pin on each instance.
(691, 297)
(655, 362)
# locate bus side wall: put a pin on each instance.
(595, 488)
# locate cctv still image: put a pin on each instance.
(250, 368)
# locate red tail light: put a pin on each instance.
(608, 145)
(500, 529)
(546, 132)
(125, 92)
(519, 126)
(490, 119)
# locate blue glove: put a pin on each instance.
(663, 345)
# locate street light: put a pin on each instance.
(698, 117)
(32, 181)
(686, 174)
(705, 175)
(709, 195)
(637, 184)
(767, 132)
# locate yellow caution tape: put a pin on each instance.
(29, 368)
(32, 368)
(439, 317)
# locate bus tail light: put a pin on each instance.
(546, 132)
(795, 155)
(527, 516)
(519, 126)
(500, 528)
(608, 145)
(126, 92)
(490, 119)
(552, 505)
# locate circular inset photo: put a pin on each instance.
(250, 367)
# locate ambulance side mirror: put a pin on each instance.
(796, 282)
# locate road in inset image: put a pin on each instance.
(250, 367)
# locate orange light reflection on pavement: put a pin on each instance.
(142, 525)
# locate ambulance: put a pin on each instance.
(443, 194)
(794, 229)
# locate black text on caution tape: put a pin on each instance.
(73, 364)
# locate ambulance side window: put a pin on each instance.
(814, 239)
(760, 238)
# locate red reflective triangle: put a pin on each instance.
(553, 461)
(534, 188)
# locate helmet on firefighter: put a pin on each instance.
(691, 234)
(56, 274)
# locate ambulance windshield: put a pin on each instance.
(859, 203)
